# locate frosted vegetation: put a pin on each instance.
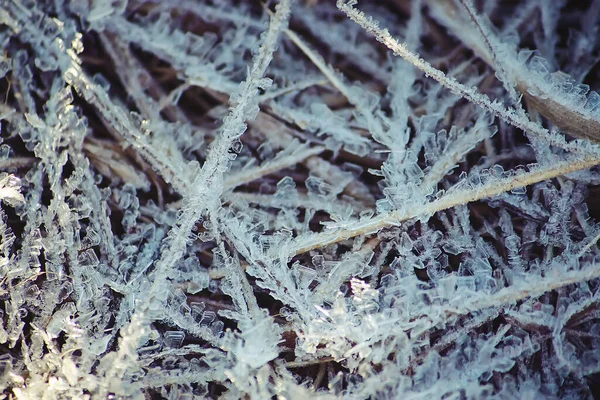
(230, 199)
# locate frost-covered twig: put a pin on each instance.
(205, 191)
(580, 120)
(469, 93)
(453, 198)
(249, 175)
(533, 286)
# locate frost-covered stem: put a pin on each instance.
(322, 65)
(17, 162)
(133, 33)
(301, 201)
(452, 199)
(469, 93)
(588, 246)
(128, 68)
(234, 124)
(533, 287)
(578, 122)
(294, 87)
(205, 191)
(249, 175)
(487, 38)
